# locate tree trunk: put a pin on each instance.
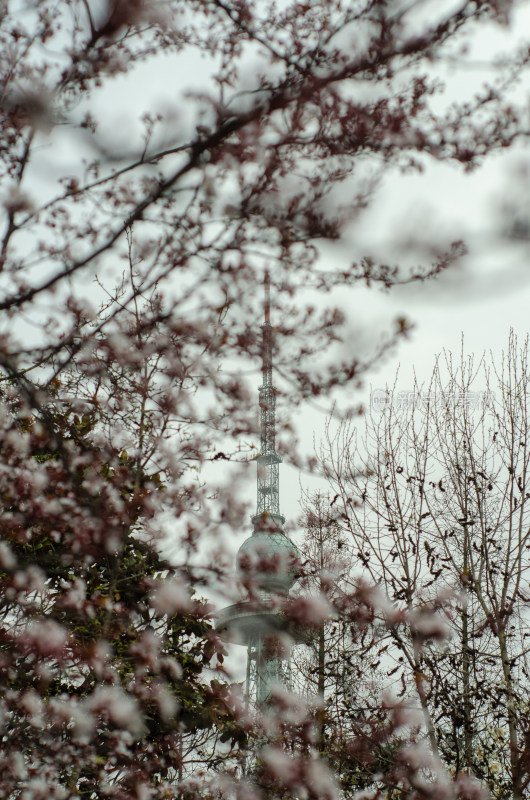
(512, 715)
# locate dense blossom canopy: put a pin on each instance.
(131, 245)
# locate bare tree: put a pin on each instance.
(336, 665)
(435, 500)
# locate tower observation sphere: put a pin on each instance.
(269, 561)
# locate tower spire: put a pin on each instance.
(267, 284)
(268, 461)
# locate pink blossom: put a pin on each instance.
(46, 637)
(8, 559)
(32, 704)
(171, 597)
(419, 756)
(166, 701)
(309, 610)
(426, 623)
(75, 597)
(282, 766)
(320, 780)
(118, 706)
(470, 788)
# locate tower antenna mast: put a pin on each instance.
(268, 461)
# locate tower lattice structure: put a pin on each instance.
(267, 560)
(268, 461)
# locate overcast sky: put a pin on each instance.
(482, 298)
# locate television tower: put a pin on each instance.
(267, 560)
